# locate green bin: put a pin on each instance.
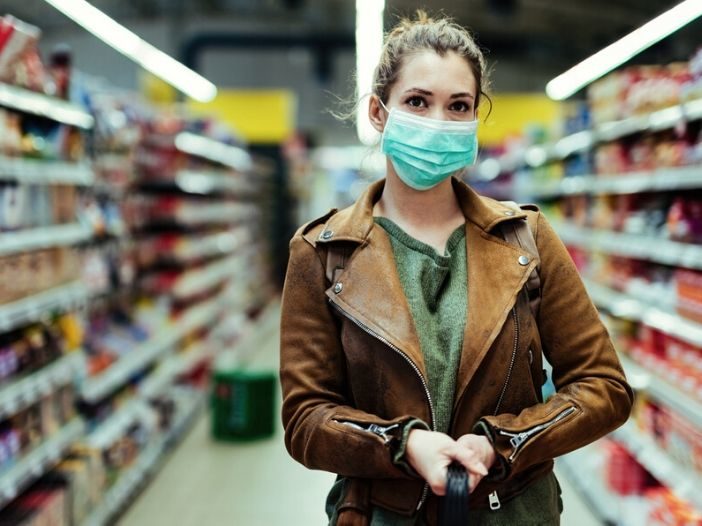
(243, 405)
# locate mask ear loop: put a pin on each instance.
(383, 105)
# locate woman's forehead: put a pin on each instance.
(430, 71)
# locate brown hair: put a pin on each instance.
(442, 35)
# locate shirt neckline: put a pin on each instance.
(413, 243)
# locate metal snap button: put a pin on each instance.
(523, 261)
(327, 234)
(338, 287)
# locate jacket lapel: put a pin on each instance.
(495, 277)
(372, 294)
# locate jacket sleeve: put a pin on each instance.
(322, 430)
(592, 396)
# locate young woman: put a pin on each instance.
(420, 347)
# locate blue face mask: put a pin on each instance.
(427, 151)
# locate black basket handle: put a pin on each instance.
(453, 508)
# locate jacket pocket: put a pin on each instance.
(519, 439)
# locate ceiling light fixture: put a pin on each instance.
(134, 47)
(369, 43)
(604, 61)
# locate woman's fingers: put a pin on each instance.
(470, 460)
(437, 480)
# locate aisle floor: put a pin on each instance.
(206, 483)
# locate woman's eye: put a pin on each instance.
(416, 102)
(460, 106)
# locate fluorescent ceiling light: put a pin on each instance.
(131, 45)
(622, 50)
(369, 43)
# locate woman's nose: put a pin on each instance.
(440, 114)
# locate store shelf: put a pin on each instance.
(661, 180)
(202, 279)
(33, 171)
(33, 308)
(538, 155)
(578, 467)
(29, 390)
(46, 237)
(129, 483)
(174, 367)
(38, 462)
(629, 307)
(44, 106)
(213, 150)
(99, 386)
(205, 183)
(681, 480)
(635, 246)
(665, 392)
(656, 121)
(116, 424)
(211, 214)
(206, 246)
(118, 495)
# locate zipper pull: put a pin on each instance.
(519, 439)
(494, 501)
(382, 431)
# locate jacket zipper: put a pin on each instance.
(381, 431)
(517, 440)
(512, 361)
(365, 328)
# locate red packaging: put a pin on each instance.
(624, 475)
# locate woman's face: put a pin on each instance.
(437, 87)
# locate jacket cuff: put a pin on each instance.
(398, 452)
(501, 468)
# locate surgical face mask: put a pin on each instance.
(427, 151)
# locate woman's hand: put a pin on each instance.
(478, 447)
(430, 454)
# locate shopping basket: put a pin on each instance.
(453, 508)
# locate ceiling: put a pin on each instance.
(549, 35)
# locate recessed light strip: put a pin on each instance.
(134, 47)
(604, 61)
(369, 43)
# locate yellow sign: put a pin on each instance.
(157, 90)
(512, 113)
(259, 116)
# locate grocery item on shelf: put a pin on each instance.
(28, 273)
(113, 333)
(19, 58)
(684, 219)
(25, 430)
(637, 89)
(27, 350)
(688, 284)
(33, 206)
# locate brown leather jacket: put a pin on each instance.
(352, 371)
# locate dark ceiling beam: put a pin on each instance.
(322, 46)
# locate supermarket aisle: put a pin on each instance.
(214, 484)
(208, 483)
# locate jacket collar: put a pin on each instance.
(355, 223)
(369, 289)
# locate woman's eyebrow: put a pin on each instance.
(429, 93)
(419, 90)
